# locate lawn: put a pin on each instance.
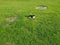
(43, 30)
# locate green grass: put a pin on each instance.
(43, 30)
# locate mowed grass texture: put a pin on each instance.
(43, 30)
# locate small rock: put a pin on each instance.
(11, 19)
(41, 7)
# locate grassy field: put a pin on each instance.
(43, 30)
